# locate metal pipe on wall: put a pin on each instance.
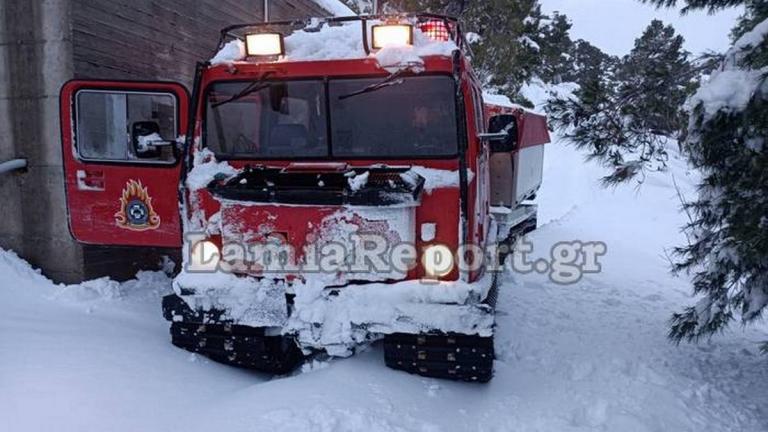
(12, 165)
(266, 10)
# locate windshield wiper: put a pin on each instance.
(256, 85)
(392, 80)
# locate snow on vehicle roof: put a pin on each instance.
(335, 7)
(500, 100)
(343, 42)
(504, 101)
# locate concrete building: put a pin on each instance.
(44, 43)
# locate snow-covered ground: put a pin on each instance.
(587, 357)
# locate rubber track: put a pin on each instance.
(453, 357)
(241, 346)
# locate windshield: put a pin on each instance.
(278, 120)
(414, 118)
(411, 117)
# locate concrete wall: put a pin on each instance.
(151, 39)
(35, 58)
(44, 43)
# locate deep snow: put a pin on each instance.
(587, 357)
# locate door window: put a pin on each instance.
(129, 127)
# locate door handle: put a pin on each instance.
(90, 180)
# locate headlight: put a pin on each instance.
(204, 256)
(385, 35)
(437, 261)
(264, 44)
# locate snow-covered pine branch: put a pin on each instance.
(726, 141)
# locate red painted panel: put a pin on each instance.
(533, 130)
(97, 191)
(440, 207)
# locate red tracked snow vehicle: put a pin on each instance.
(340, 180)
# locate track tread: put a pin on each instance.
(240, 346)
(453, 357)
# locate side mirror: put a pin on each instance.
(502, 133)
(146, 140)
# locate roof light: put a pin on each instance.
(436, 30)
(385, 35)
(264, 44)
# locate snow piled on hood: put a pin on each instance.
(343, 42)
(435, 178)
(205, 170)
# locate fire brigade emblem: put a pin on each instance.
(136, 212)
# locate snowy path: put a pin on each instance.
(593, 356)
(587, 357)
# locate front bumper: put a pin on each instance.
(335, 320)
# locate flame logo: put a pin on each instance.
(136, 212)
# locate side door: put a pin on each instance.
(122, 161)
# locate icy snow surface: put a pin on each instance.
(588, 357)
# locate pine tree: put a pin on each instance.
(555, 48)
(727, 253)
(625, 117)
(656, 76)
(755, 13)
(588, 63)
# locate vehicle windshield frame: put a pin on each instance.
(325, 81)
